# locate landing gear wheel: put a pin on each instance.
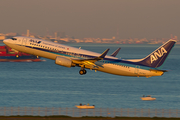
(84, 71)
(81, 72)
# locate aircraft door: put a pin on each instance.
(24, 40)
(136, 71)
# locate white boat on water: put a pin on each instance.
(147, 98)
(85, 106)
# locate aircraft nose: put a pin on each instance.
(5, 41)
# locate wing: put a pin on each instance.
(90, 63)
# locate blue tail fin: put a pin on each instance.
(157, 58)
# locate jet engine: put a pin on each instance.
(63, 61)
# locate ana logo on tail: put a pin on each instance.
(158, 54)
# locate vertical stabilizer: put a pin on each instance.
(157, 58)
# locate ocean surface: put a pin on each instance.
(45, 84)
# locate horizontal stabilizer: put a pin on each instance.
(158, 70)
(115, 52)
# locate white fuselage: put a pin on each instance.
(51, 50)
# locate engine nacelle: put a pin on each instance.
(63, 61)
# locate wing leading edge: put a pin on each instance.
(90, 63)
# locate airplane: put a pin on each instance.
(68, 56)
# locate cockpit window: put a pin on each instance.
(13, 38)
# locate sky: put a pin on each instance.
(92, 18)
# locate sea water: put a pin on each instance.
(45, 84)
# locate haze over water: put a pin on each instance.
(45, 84)
(92, 18)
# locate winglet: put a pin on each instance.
(115, 52)
(102, 55)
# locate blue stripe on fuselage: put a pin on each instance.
(83, 56)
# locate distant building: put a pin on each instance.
(11, 34)
(2, 37)
(27, 33)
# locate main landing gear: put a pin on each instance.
(82, 72)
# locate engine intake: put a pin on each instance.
(63, 61)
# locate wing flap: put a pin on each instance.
(90, 63)
(93, 60)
